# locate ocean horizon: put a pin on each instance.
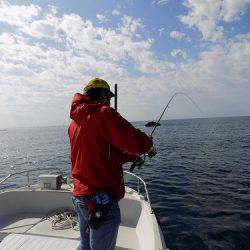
(163, 120)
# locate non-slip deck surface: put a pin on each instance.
(37, 234)
(31, 242)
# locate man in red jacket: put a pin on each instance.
(101, 141)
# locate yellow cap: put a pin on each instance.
(96, 83)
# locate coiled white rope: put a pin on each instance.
(64, 219)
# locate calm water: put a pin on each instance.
(199, 182)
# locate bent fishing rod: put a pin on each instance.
(134, 164)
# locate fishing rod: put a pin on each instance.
(132, 167)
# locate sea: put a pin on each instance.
(198, 183)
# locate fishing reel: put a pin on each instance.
(141, 160)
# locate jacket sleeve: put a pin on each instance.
(123, 135)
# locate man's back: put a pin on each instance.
(101, 141)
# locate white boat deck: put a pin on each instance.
(24, 223)
(27, 225)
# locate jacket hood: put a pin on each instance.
(82, 106)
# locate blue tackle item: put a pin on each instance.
(100, 207)
(101, 198)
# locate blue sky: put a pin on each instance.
(152, 49)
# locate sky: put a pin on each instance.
(151, 49)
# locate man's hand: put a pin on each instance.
(152, 152)
(139, 162)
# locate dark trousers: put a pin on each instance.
(104, 238)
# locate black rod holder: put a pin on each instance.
(116, 95)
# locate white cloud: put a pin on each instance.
(18, 15)
(222, 70)
(29, 20)
(233, 9)
(206, 15)
(179, 52)
(115, 12)
(104, 44)
(148, 64)
(53, 9)
(159, 2)
(102, 18)
(85, 48)
(46, 28)
(130, 25)
(218, 81)
(6, 38)
(16, 69)
(161, 31)
(179, 35)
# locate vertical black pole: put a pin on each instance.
(116, 95)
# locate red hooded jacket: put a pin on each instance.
(101, 141)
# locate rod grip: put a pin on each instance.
(132, 167)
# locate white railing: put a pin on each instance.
(140, 180)
(27, 173)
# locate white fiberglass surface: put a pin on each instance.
(23, 212)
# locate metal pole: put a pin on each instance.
(28, 177)
(116, 95)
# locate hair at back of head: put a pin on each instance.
(94, 94)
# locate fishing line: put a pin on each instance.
(132, 167)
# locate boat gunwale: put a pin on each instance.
(28, 171)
